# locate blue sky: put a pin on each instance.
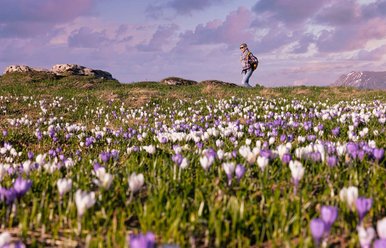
(298, 42)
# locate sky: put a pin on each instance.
(298, 42)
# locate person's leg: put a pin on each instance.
(246, 76)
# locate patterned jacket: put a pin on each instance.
(244, 58)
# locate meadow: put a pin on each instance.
(92, 163)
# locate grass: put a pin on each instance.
(189, 207)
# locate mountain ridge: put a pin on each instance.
(362, 80)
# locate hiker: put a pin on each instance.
(249, 63)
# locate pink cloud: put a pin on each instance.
(27, 18)
(161, 38)
(287, 11)
(181, 7)
(234, 30)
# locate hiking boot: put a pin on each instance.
(247, 86)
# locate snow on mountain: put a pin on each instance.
(363, 80)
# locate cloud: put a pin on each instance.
(87, 38)
(352, 37)
(233, 31)
(161, 38)
(339, 13)
(25, 18)
(181, 7)
(376, 54)
(288, 12)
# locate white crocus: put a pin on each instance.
(365, 236)
(104, 179)
(262, 162)
(206, 162)
(41, 158)
(136, 182)
(149, 149)
(297, 170)
(220, 154)
(349, 195)
(64, 185)
(5, 239)
(84, 201)
(184, 164)
(381, 228)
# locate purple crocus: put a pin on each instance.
(329, 215)
(363, 206)
(380, 243)
(332, 161)
(378, 153)
(317, 227)
(240, 171)
(177, 158)
(21, 186)
(104, 156)
(286, 158)
(30, 155)
(283, 138)
(336, 131)
(5, 133)
(352, 149)
(142, 240)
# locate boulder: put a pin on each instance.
(217, 82)
(18, 68)
(73, 69)
(177, 81)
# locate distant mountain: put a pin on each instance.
(363, 80)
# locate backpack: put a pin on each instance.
(253, 61)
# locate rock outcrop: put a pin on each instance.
(217, 82)
(363, 80)
(73, 69)
(62, 70)
(18, 68)
(177, 81)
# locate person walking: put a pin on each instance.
(249, 63)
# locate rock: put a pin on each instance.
(177, 81)
(62, 70)
(18, 68)
(73, 69)
(217, 82)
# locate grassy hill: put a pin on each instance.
(203, 165)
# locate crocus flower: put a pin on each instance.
(136, 182)
(240, 171)
(206, 162)
(64, 185)
(336, 131)
(104, 179)
(21, 186)
(317, 227)
(378, 153)
(381, 228)
(229, 169)
(366, 236)
(142, 241)
(297, 171)
(380, 243)
(332, 161)
(328, 215)
(5, 239)
(363, 206)
(349, 195)
(286, 158)
(177, 158)
(84, 201)
(262, 162)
